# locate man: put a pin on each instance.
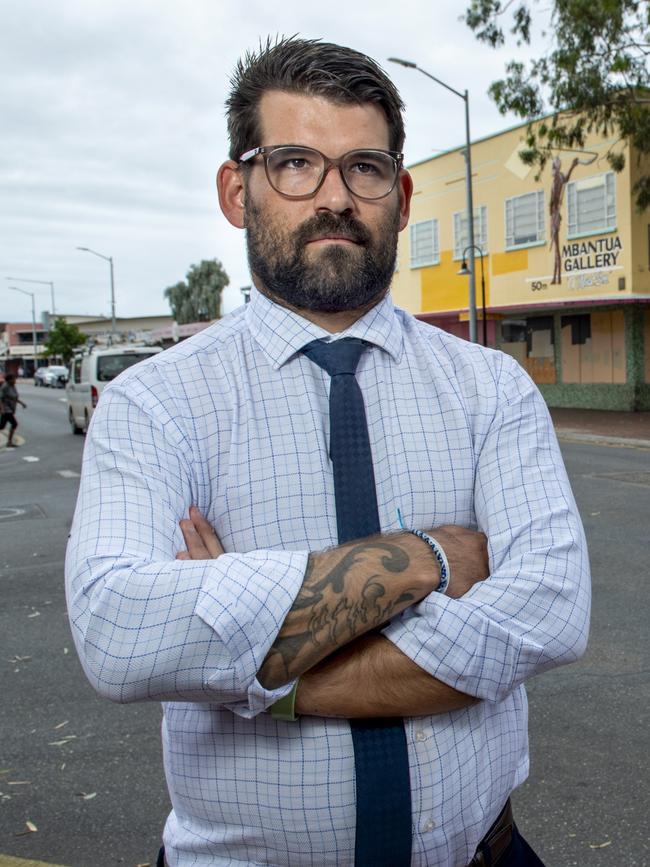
(9, 400)
(234, 429)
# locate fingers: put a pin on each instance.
(200, 538)
(196, 549)
(206, 532)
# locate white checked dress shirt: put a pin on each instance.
(235, 421)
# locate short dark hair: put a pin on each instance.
(311, 67)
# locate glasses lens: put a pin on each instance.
(369, 174)
(294, 171)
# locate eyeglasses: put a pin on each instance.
(298, 172)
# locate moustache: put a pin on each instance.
(325, 224)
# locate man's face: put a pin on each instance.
(333, 252)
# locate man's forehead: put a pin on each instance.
(287, 117)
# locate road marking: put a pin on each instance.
(7, 512)
(8, 861)
(30, 459)
(63, 400)
(69, 474)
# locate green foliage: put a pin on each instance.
(594, 77)
(198, 299)
(63, 339)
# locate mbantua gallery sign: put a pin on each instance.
(591, 255)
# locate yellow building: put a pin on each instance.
(565, 266)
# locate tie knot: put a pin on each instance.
(337, 357)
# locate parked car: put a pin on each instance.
(91, 371)
(54, 376)
(39, 376)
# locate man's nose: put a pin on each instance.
(333, 195)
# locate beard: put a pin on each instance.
(338, 277)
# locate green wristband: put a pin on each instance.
(285, 708)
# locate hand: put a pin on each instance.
(467, 554)
(201, 540)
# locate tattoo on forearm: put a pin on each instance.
(337, 616)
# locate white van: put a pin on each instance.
(90, 371)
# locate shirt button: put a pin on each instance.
(420, 736)
(429, 825)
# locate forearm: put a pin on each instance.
(347, 592)
(372, 678)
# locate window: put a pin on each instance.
(461, 239)
(525, 220)
(532, 342)
(110, 366)
(425, 245)
(591, 205)
(580, 327)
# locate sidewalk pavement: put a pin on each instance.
(630, 429)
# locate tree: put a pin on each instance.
(594, 76)
(63, 339)
(198, 299)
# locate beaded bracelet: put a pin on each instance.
(438, 553)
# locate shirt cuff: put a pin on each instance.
(245, 600)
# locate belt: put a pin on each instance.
(496, 841)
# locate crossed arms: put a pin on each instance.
(348, 591)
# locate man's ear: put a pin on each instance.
(230, 187)
(405, 190)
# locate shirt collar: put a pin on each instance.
(281, 333)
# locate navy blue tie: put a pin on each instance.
(383, 832)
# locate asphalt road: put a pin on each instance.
(87, 773)
(587, 799)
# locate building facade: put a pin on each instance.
(17, 340)
(21, 345)
(563, 284)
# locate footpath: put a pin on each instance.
(602, 427)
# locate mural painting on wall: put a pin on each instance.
(558, 184)
(586, 264)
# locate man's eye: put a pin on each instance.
(295, 164)
(364, 168)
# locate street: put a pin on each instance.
(87, 773)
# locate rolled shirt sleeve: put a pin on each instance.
(148, 626)
(532, 613)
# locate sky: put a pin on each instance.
(112, 129)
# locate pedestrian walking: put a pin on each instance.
(9, 399)
(333, 540)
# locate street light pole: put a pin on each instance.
(25, 292)
(468, 188)
(42, 282)
(108, 259)
(464, 271)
